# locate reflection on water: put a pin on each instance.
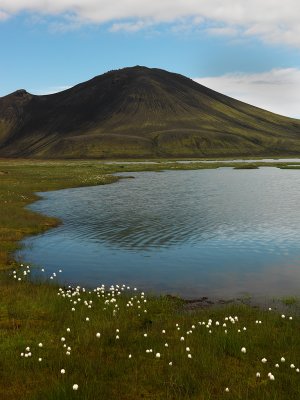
(210, 232)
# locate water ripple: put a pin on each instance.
(178, 229)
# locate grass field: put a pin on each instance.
(131, 358)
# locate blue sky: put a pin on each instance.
(47, 46)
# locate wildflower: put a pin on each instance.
(243, 350)
(157, 355)
(62, 371)
(75, 387)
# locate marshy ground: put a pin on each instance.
(153, 349)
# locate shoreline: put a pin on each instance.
(109, 355)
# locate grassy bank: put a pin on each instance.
(101, 366)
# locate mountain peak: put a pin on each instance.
(139, 111)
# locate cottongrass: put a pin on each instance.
(150, 345)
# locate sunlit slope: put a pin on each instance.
(138, 112)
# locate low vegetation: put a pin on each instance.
(59, 342)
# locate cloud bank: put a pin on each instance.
(276, 90)
(274, 21)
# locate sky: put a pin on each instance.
(247, 49)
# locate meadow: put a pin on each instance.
(60, 342)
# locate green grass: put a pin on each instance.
(290, 300)
(102, 367)
(31, 313)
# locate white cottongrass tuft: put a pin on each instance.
(243, 350)
(75, 386)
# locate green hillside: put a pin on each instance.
(140, 112)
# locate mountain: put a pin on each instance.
(140, 112)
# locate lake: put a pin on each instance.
(220, 233)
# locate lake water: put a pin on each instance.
(218, 233)
(261, 160)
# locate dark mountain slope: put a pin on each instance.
(136, 112)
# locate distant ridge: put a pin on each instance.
(140, 112)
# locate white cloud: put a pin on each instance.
(49, 90)
(222, 31)
(277, 90)
(3, 15)
(130, 26)
(274, 21)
